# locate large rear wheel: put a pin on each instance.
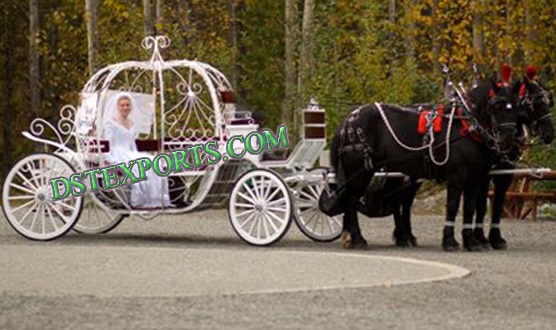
(27, 197)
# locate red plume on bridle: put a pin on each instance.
(531, 72)
(506, 73)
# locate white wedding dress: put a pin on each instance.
(151, 193)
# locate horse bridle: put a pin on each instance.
(493, 138)
(528, 102)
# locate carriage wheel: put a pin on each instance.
(27, 198)
(309, 218)
(96, 218)
(260, 207)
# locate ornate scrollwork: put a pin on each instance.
(64, 129)
(156, 44)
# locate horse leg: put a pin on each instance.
(470, 243)
(407, 203)
(501, 185)
(351, 237)
(401, 237)
(481, 209)
(449, 242)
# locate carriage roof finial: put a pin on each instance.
(156, 43)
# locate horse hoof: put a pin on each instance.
(473, 247)
(499, 246)
(403, 243)
(450, 247)
(470, 243)
(413, 241)
(360, 245)
(449, 243)
(346, 240)
(480, 237)
(496, 241)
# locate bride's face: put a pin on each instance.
(124, 106)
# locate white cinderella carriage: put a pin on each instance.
(179, 103)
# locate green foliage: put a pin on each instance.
(360, 55)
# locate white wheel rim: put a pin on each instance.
(260, 207)
(310, 218)
(27, 198)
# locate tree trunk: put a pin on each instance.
(232, 39)
(410, 35)
(306, 57)
(91, 15)
(159, 28)
(508, 30)
(148, 17)
(435, 48)
(290, 22)
(7, 94)
(34, 73)
(392, 17)
(531, 35)
(478, 34)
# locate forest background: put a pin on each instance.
(277, 53)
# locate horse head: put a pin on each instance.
(495, 108)
(536, 105)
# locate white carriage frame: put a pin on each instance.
(303, 157)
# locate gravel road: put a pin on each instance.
(513, 289)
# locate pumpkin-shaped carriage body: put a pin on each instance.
(176, 105)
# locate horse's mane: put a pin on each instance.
(480, 95)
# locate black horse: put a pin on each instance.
(395, 196)
(536, 107)
(384, 137)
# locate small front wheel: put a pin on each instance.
(260, 207)
(309, 218)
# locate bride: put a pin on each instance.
(120, 130)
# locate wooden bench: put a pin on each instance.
(522, 199)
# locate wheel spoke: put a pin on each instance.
(252, 224)
(244, 213)
(252, 201)
(64, 205)
(52, 219)
(15, 198)
(60, 214)
(247, 220)
(314, 191)
(248, 189)
(274, 193)
(26, 180)
(282, 221)
(33, 170)
(39, 209)
(22, 188)
(28, 212)
(271, 222)
(265, 225)
(259, 226)
(24, 205)
(249, 206)
(277, 209)
(278, 201)
(307, 195)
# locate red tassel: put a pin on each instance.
(437, 123)
(422, 127)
